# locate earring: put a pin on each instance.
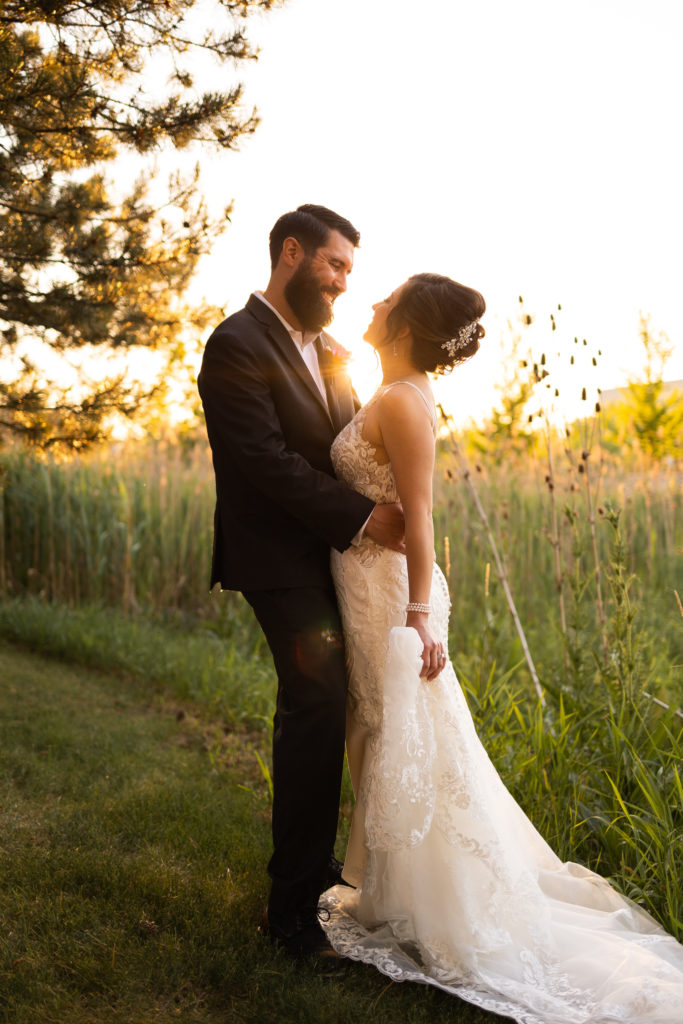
(394, 349)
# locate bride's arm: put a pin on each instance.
(409, 442)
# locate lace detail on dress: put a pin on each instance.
(354, 460)
(458, 890)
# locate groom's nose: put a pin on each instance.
(340, 280)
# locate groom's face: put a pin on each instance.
(317, 281)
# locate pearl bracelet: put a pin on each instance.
(418, 606)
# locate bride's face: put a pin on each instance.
(377, 334)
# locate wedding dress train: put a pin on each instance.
(457, 889)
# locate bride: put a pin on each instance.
(455, 887)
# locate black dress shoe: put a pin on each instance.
(334, 874)
(301, 937)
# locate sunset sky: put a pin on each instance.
(529, 148)
(532, 148)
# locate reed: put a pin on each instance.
(547, 553)
(131, 528)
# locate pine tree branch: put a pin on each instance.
(72, 97)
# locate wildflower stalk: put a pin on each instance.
(584, 470)
(500, 565)
(602, 618)
(662, 704)
(554, 539)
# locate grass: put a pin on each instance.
(135, 831)
(229, 673)
(122, 820)
(598, 772)
(519, 504)
(132, 527)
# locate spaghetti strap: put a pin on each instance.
(431, 410)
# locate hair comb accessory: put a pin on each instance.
(462, 338)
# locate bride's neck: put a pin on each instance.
(396, 368)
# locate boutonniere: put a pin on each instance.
(337, 358)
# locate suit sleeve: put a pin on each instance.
(243, 422)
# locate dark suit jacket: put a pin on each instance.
(279, 507)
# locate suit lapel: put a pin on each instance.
(280, 336)
(332, 360)
(326, 362)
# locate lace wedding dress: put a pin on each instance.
(456, 887)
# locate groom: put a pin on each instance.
(274, 397)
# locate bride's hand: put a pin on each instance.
(433, 654)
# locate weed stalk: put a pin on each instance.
(500, 565)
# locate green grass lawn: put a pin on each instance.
(134, 833)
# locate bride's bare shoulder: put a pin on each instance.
(406, 401)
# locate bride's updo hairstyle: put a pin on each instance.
(443, 319)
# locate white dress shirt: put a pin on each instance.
(304, 343)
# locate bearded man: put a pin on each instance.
(275, 396)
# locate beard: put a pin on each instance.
(304, 295)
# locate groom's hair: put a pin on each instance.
(311, 226)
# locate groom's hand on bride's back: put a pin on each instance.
(386, 526)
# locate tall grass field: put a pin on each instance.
(105, 559)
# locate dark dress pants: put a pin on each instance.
(303, 630)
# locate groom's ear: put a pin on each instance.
(292, 251)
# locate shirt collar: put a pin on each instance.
(300, 338)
